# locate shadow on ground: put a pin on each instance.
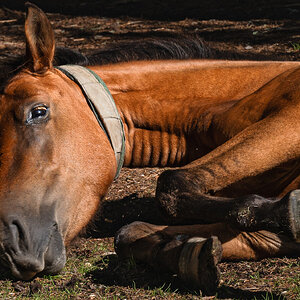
(138, 276)
(117, 213)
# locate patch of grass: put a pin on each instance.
(279, 277)
(296, 46)
(6, 290)
(162, 291)
(93, 272)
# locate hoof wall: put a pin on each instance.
(294, 212)
(198, 264)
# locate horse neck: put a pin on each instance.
(168, 106)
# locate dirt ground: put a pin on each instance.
(131, 196)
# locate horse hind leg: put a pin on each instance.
(180, 197)
(193, 251)
(193, 258)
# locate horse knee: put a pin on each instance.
(174, 190)
(137, 240)
(170, 183)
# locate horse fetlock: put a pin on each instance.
(245, 218)
(254, 213)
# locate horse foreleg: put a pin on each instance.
(261, 147)
(247, 213)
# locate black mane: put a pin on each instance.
(145, 49)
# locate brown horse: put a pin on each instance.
(234, 125)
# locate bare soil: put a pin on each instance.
(131, 196)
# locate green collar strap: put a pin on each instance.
(103, 106)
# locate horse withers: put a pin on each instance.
(230, 128)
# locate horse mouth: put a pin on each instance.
(25, 263)
(26, 268)
(35, 268)
(24, 274)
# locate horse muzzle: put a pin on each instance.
(30, 247)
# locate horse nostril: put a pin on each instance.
(32, 247)
(18, 235)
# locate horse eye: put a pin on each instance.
(38, 113)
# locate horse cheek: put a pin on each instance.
(97, 173)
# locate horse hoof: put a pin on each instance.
(198, 264)
(294, 213)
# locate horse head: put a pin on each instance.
(56, 162)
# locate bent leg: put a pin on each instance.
(141, 240)
(182, 203)
(191, 252)
(193, 258)
(261, 156)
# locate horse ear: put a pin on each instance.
(40, 44)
